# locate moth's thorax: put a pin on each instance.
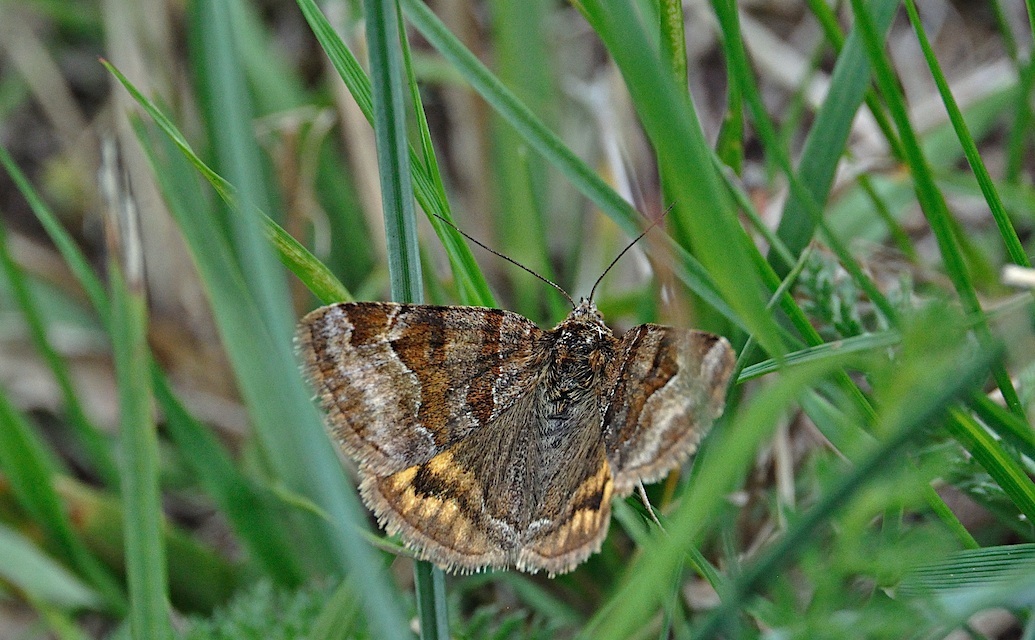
(582, 347)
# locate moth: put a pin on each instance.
(487, 442)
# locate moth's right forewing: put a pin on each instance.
(666, 388)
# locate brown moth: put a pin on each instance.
(485, 441)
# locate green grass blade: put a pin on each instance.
(141, 495)
(670, 121)
(237, 154)
(995, 203)
(32, 572)
(314, 274)
(953, 589)
(92, 441)
(29, 469)
(989, 453)
(914, 414)
(553, 149)
(523, 63)
(1004, 424)
(310, 271)
(430, 587)
(870, 342)
(471, 283)
(1019, 138)
(286, 422)
(829, 133)
(932, 202)
(248, 511)
(970, 569)
(404, 268)
(66, 246)
(387, 80)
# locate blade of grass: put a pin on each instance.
(145, 554)
(404, 269)
(32, 572)
(317, 277)
(66, 246)
(29, 469)
(908, 420)
(1020, 129)
(83, 430)
(521, 45)
(829, 133)
(932, 202)
(472, 285)
(990, 454)
(553, 150)
(668, 117)
(387, 81)
(249, 512)
(286, 422)
(995, 204)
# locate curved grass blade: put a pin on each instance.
(30, 471)
(317, 277)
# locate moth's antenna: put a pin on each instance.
(626, 249)
(510, 260)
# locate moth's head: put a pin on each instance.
(584, 325)
(586, 311)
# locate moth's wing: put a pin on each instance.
(665, 388)
(503, 496)
(574, 507)
(401, 383)
(462, 509)
(437, 508)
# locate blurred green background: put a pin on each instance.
(844, 184)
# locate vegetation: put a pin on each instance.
(842, 185)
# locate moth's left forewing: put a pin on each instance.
(665, 388)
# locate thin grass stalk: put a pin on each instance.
(931, 200)
(141, 495)
(995, 204)
(388, 82)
